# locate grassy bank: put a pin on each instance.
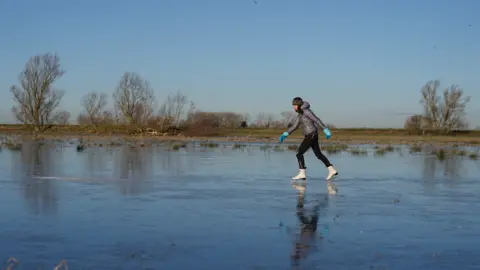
(398, 136)
(349, 136)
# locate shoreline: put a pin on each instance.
(340, 139)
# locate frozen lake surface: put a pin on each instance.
(224, 208)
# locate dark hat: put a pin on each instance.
(297, 101)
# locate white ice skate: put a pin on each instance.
(332, 173)
(301, 175)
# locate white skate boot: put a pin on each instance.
(300, 176)
(332, 173)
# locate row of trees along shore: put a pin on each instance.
(134, 103)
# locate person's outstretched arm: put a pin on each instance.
(295, 125)
(309, 114)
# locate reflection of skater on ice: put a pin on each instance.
(307, 237)
(332, 188)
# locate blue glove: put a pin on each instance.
(284, 135)
(327, 132)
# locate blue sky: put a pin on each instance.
(360, 63)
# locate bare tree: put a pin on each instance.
(63, 118)
(413, 124)
(246, 117)
(145, 111)
(178, 101)
(230, 119)
(134, 98)
(82, 119)
(287, 118)
(265, 120)
(165, 116)
(93, 104)
(210, 119)
(35, 98)
(219, 119)
(107, 118)
(172, 110)
(245, 120)
(445, 114)
(191, 112)
(203, 124)
(117, 116)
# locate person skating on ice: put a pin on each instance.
(309, 121)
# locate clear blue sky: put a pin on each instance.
(360, 63)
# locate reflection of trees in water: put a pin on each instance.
(307, 238)
(267, 154)
(38, 159)
(169, 161)
(178, 162)
(96, 162)
(429, 169)
(133, 165)
(451, 166)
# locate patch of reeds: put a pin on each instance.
(81, 147)
(278, 148)
(334, 148)
(389, 148)
(209, 145)
(292, 147)
(357, 151)
(415, 148)
(13, 146)
(239, 146)
(440, 153)
(458, 152)
(380, 152)
(265, 147)
(114, 143)
(177, 146)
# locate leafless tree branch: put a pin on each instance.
(62, 118)
(35, 98)
(265, 120)
(134, 99)
(93, 105)
(447, 113)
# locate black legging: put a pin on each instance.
(311, 141)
